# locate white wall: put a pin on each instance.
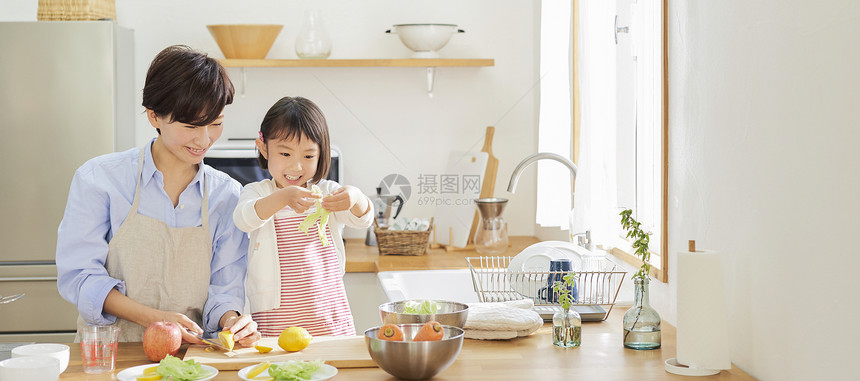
(763, 128)
(381, 118)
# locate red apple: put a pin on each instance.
(161, 339)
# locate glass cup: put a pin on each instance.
(98, 347)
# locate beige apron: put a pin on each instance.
(163, 267)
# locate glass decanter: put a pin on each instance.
(313, 41)
(641, 322)
(491, 237)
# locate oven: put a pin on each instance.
(238, 158)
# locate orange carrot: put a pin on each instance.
(431, 331)
(390, 332)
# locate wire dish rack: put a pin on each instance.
(597, 284)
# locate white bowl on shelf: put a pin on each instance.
(57, 351)
(425, 39)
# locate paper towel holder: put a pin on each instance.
(672, 365)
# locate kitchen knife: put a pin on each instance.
(229, 352)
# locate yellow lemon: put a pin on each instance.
(294, 339)
(226, 338)
(150, 370)
(262, 349)
(150, 377)
(255, 371)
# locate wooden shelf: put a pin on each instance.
(402, 62)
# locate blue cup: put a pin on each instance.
(558, 269)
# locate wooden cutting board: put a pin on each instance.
(337, 351)
(489, 184)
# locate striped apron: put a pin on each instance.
(312, 292)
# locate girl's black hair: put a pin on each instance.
(297, 118)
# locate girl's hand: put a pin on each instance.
(244, 330)
(297, 198)
(188, 326)
(346, 198)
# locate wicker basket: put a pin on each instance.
(402, 242)
(59, 10)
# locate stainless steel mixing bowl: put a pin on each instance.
(448, 313)
(414, 360)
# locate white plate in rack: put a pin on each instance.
(535, 258)
(574, 252)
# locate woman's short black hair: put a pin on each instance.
(187, 85)
(298, 118)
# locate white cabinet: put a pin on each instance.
(365, 295)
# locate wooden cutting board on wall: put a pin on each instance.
(337, 351)
(488, 186)
(455, 208)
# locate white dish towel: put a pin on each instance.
(501, 320)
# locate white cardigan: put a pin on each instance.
(263, 283)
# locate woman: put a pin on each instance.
(147, 234)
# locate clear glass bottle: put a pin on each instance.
(313, 41)
(566, 328)
(641, 322)
(491, 237)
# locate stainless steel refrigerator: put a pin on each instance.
(66, 95)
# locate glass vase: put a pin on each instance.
(641, 322)
(313, 41)
(566, 328)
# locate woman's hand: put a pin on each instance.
(346, 198)
(297, 198)
(124, 307)
(244, 330)
(190, 330)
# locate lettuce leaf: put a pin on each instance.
(426, 307)
(318, 217)
(181, 370)
(294, 370)
(322, 225)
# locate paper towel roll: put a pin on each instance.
(702, 332)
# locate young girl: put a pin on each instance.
(147, 235)
(295, 275)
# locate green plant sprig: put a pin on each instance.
(640, 243)
(563, 292)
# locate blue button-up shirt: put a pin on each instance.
(100, 198)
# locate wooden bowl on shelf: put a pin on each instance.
(246, 41)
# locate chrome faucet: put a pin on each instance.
(515, 177)
(584, 240)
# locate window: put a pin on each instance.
(618, 123)
(640, 180)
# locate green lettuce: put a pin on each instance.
(426, 307)
(294, 370)
(180, 370)
(319, 217)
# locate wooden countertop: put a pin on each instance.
(366, 259)
(601, 356)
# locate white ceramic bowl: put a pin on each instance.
(424, 39)
(57, 351)
(30, 368)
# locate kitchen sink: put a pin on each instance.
(452, 285)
